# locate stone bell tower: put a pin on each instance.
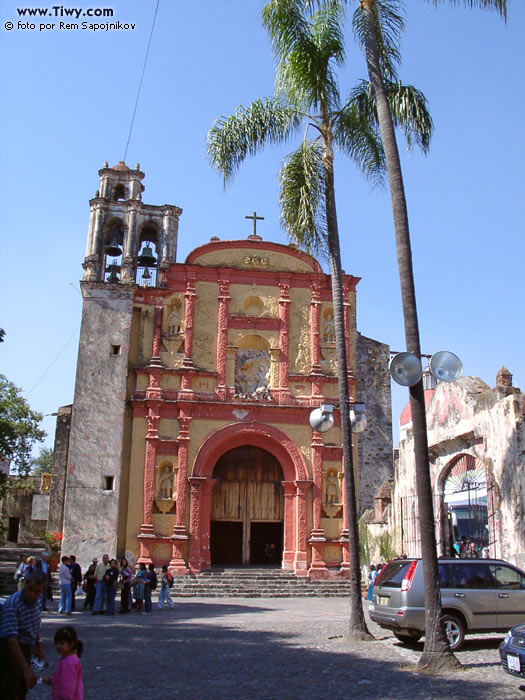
(115, 270)
(120, 223)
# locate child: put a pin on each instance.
(167, 583)
(66, 683)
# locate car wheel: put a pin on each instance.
(408, 638)
(454, 631)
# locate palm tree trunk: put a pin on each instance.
(436, 653)
(357, 625)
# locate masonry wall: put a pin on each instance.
(91, 510)
(375, 442)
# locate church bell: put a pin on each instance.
(146, 257)
(113, 247)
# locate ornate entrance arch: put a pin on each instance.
(295, 483)
(467, 504)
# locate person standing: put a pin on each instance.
(100, 592)
(111, 581)
(64, 580)
(19, 634)
(90, 585)
(150, 586)
(66, 681)
(76, 578)
(126, 576)
(166, 582)
(20, 569)
(43, 566)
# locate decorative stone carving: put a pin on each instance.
(328, 360)
(260, 261)
(252, 373)
(332, 502)
(328, 328)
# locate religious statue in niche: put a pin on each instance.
(332, 505)
(328, 361)
(164, 494)
(174, 316)
(328, 328)
(252, 374)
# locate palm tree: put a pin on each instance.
(380, 57)
(308, 46)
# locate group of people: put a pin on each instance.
(103, 580)
(22, 612)
(468, 549)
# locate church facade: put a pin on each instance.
(190, 443)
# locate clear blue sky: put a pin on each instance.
(68, 97)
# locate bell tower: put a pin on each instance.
(130, 245)
(120, 224)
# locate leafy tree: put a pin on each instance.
(18, 427)
(377, 24)
(43, 464)
(308, 48)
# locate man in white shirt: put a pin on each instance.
(64, 579)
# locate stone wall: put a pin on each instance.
(91, 508)
(487, 425)
(375, 442)
(58, 479)
(26, 500)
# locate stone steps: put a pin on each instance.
(255, 583)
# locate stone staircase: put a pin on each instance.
(263, 582)
(8, 560)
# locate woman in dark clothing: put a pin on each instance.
(110, 581)
(91, 585)
(126, 576)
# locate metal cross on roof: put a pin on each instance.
(255, 219)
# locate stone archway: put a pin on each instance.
(465, 504)
(296, 482)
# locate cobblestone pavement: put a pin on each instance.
(267, 649)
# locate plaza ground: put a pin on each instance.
(263, 648)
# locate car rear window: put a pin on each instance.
(393, 573)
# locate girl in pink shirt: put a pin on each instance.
(66, 683)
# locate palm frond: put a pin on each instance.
(356, 133)
(246, 132)
(307, 46)
(302, 197)
(408, 106)
(389, 25)
(500, 6)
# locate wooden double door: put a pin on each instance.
(247, 509)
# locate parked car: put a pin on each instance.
(512, 651)
(477, 595)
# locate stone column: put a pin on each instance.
(318, 567)
(195, 530)
(222, 334)
(129, 255)
(300, 561)
(315, 336)
(157, 330)
(231, 355)
(343, 539)
(146, 535)
(180, 536)
(205, 518)
(186, 390)
(289, 525)
(284, 341)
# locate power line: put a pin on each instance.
(54, 361)
(141, 79)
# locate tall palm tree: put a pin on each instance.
(380, 58)
(308, 48)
